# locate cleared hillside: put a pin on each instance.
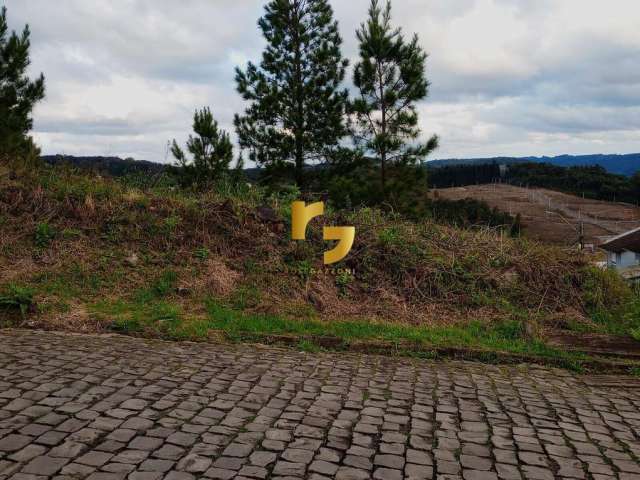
(552, 216)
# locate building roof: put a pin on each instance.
(627, 241)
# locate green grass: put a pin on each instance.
(613, 305)
(505, 336)
(623, 320)
(151, 314)
(157, 317)
(168, 228)
(44, 234)
(16, 297)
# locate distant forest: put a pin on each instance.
(627, 164)
(112, 166)
(589, 181)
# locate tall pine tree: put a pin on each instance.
(390, 79)
(18, 94)
(297, 103)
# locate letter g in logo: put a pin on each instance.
(302, 214)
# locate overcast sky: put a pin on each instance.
(509, 77)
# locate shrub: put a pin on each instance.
(171, 223)
(343, 280)
(632, 316)
(612, 303)
(604, 290)
(17, 298)
(202, 253)
(44, 234)
(389, 236)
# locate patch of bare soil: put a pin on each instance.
(214, 278)
(559, 224)
(595, 343)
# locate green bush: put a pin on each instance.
(632, 316)
(202, 253)
(614, 306)
(343, 279)
(604, 290)
(44, 234)
(17, 298)
(171, 224)
(389, 236)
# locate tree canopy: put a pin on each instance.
(297, 104)
(390, 78)
(211, 150)
(18, 93)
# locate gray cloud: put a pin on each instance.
(512, 77)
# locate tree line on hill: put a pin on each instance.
(298, 115)
(112, 166)
(298, 110)
(622, 164)
(588, 181)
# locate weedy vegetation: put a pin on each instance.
(181, 264)
(196, 249)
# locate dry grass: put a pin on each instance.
(111, 244)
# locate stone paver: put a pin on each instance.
(116, 408)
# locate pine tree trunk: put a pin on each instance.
(299, 124)
(383, 172)
(299, 165)
(383, 149)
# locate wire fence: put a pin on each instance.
(569, 211)
(557, 211)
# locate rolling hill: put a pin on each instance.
(621, 164)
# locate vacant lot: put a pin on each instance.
(553, 216)
(90, 254)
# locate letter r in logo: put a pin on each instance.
(301, 215)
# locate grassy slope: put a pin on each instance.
(97, 254)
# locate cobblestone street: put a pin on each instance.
(110, 407)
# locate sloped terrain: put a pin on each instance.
(552, 216)
(85, 253)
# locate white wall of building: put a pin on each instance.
(625, 259)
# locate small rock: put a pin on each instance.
(132, 260)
